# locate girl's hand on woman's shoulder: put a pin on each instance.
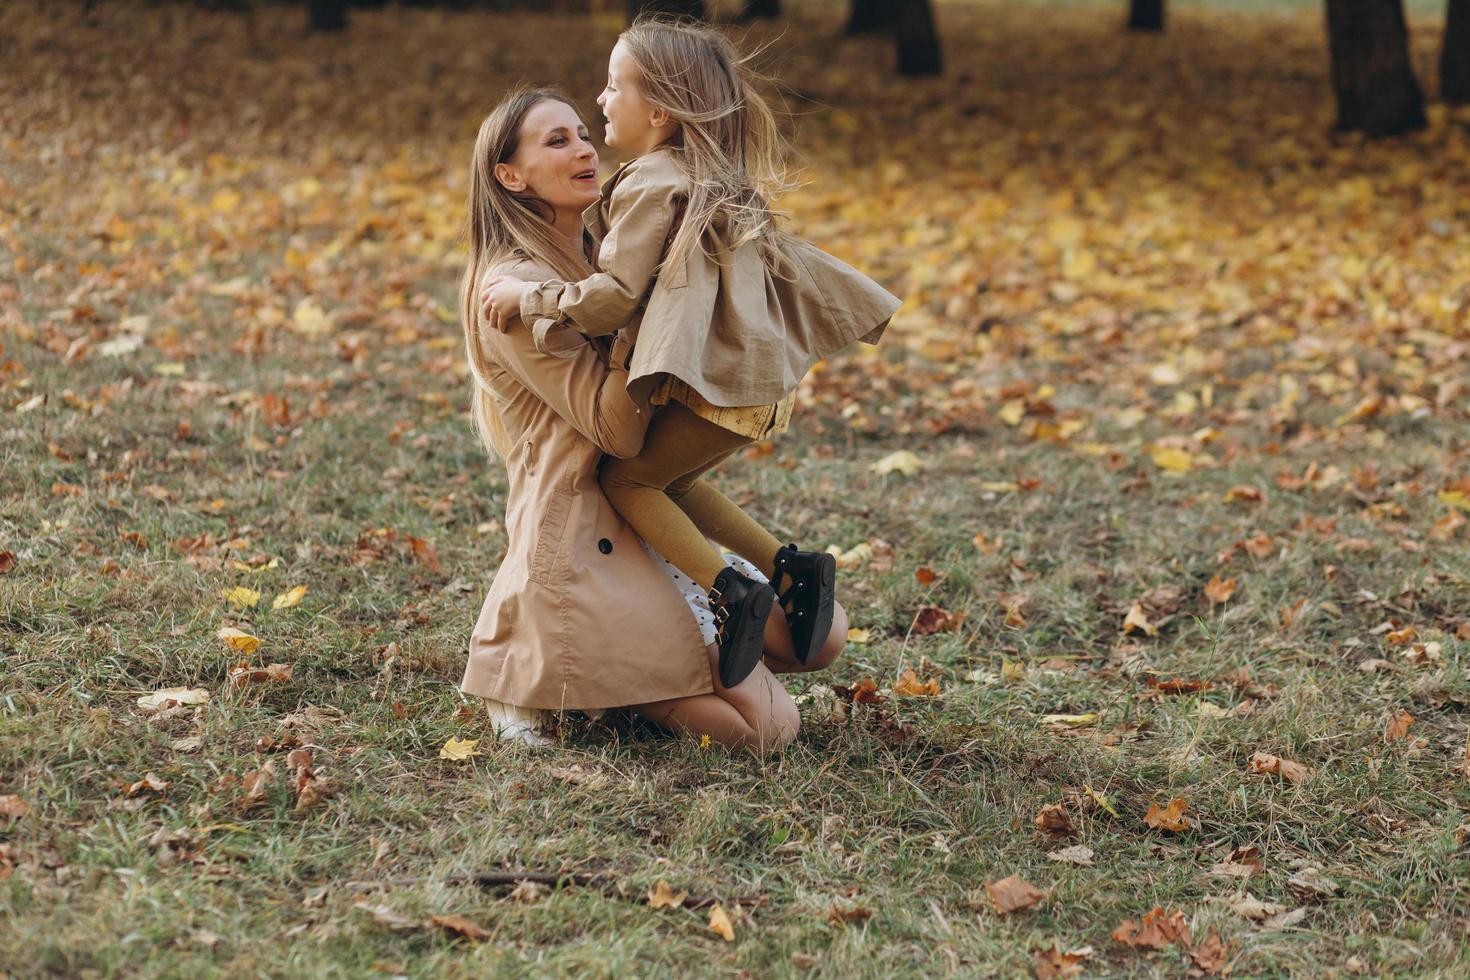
(500, 301)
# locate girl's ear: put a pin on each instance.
(658, 118)
(509, 178)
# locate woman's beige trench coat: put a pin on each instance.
(578, 615)
(721, 322)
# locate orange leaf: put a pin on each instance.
(1170, 818)
(719, 922)
(910, 684)
(1397, 726)
(661, 896)
(1219, 590)
(925, 575)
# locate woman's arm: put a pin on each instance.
(640, 213)
(572, 377)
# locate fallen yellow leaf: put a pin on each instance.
(661, 896)
(902, 461)
(178, 695)
(240, 597)
(1070, 721)
(855, 635)
(459, 749)
(289, 600)
(719, 922)
(1172, 460)
(238, 640)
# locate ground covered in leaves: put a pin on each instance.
(1151, 514)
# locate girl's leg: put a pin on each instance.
(678, 443)
(720, 518)
(780, 654)
(756, 714)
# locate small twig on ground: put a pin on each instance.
(509, 879)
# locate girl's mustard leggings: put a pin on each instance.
(660, 494)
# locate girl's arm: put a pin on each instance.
(640, 213)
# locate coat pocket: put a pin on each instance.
(549, 536)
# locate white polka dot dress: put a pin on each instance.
(696, 597)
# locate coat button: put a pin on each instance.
(605, 546)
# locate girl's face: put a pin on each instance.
(555, 161)
(632, 124)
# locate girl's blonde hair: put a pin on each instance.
(500, 223)
(729, 144)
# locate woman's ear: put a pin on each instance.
(509, 178)
(658, 118)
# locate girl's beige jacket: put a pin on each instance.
(578, 615)
(721, 322)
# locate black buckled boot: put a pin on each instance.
(741, 606)
(809, 579)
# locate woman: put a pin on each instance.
(581, 615)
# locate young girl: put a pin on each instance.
(725, 314)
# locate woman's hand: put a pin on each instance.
(500, 301)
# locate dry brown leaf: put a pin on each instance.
(1054, 819)
(1076, 854)
(149, 783)
(1241, 493)
(1170, 818)
(242, 675)
(925, 575)
(528, 892)
(1054, 964)
(1272, 765)
(1242, 862)
(1248, 906)
(7, 562)
(1013, 894)
(1158, 930)
(1210, 954)
(13, 806)
(932, 619)
(458, 925)
(841, 916)
(257, 785)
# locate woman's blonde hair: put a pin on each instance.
(729, 144)
(500, 223)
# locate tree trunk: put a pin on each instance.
(918, 43)
(759, 10)
(1146, 15)
(1454, 63)
(873, 16)
(1376, 89)
(326, 15)
(679, 8)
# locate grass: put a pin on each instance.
(904, 808)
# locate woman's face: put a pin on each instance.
(555, 161)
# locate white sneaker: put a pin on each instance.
(513, 723)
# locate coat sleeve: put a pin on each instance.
(574, 380)
(640, 213)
